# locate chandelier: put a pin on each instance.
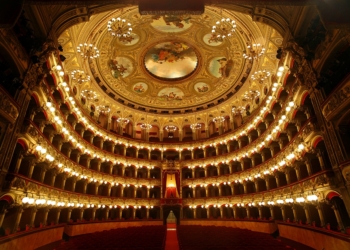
(254, 51)
(171, 128)
(238, 110)
(119, 27)
(88, 51)
(103, 108)
(88, 94)
(145, 126)
(261, 76)
(250, 95)
(223, 29)
(196, 126)
(79, 76)
(219, 119)
(123, 121)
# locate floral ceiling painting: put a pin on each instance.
(171, 23)
(120, 67)
(140, 88)
(201, 87)
(171, 60)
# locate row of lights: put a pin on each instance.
(310, 198)
(74, 102)
(281, 69)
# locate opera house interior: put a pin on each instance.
(149, 124)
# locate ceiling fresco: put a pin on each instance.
(170, 62)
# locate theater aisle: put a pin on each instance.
(171, 237)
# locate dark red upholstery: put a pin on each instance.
(136, 238)
(222, 238)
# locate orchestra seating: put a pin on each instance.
(136, 238)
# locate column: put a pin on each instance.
(307, 214)
(260, 212)
(42, 173)
(32, 163)
(256, 184)
(283, 212)
(57, 219)
(296, 219)
(81, 214)
(33, 211)
(53, 177)
(19, 211)
(297, 171)
(277, 179)
(308, 166)
(207, 192)
(339, 220)
(320, 214)
(18, 162)
(69, 212)
(107, 213)
(124, 150)
(286, 172)
(161, 212)
(320, 159)
(192, 154)
(272, 212)
(222, 212)
(120, 213)
(217, 149)
(147, 213)
(220, 190)
(2, 215)
(245, 186)
(161, 154)
(208, 212)
(194, 212)
(248, 212)
(267, 181)
(46, 212)
(134, 213)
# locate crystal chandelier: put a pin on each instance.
(238, 110)
(123, 121)
(79, 76)
(171, 128)
(89, 94)
(250, 95)
(254, 51)
(119, 27)
(219, 119)
(103, 108)
(145, 126)
(261, 76)
(88, 51)
(196, 126)
(223, 29)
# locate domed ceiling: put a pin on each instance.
(169, 62)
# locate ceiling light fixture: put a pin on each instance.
(88, 94)
(79, 76)
(223, 29)
(171, 128)
(261, 76)
(119, 28)
(145, 126)
(254, 51)
(219, 119)
(238, 110)
(88, 51)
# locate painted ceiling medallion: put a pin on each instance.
(171, 60)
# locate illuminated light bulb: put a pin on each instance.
(25, 200)
(291, 104)
(279, 73)
(301, 146)
(281, 68)
(58, 67)
(288, 109)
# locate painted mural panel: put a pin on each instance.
(170, 94)
(171, 23)
(220, 66)
(211, 40)
(171, 60)
(128, 41)
(120, 67)
(140, 87)
(201, 87)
